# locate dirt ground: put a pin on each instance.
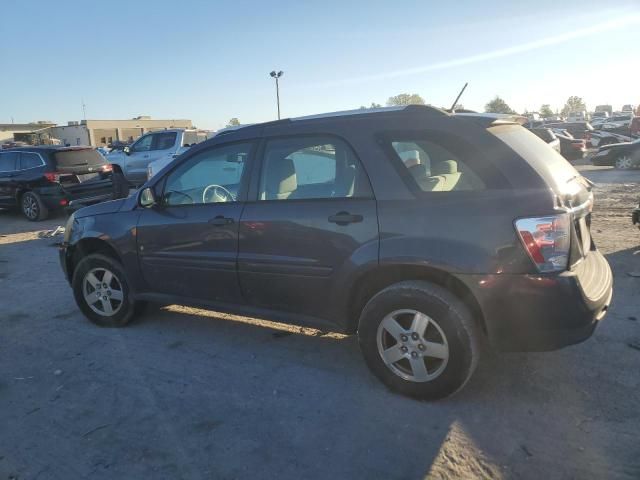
(184, 393)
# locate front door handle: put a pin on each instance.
(345, 218)
(220, 221)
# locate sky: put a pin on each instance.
(209, 61)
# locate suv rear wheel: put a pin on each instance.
(32, 207)
(101, 291)
(419, 340)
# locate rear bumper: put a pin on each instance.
(88, 193)
(544, 312)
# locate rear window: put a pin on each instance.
(81, 159)
(549, 164)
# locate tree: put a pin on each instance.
(234, 122)
(405, 99)
(498, 105)
(574, 104)
(545, 111)
(373, 105)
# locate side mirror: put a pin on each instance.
(147, 198)
(127, 150)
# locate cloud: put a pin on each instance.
(616, 23)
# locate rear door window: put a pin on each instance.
(30, 160)
(311, 167)
(9, 161)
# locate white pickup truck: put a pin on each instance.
(163, 145)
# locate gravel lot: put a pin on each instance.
(185, 393)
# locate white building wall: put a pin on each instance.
(72, 135)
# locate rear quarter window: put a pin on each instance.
(437, 162)
(547, 162)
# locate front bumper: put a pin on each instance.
(544, 312)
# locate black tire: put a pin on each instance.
(120, 185)
(32, 207)
(449, 314)
(123, 311)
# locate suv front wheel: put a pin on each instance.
(101, 291)
(419, 340)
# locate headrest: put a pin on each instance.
(445, 167)
(281, 177)
(410, 155)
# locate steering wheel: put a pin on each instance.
(220, 194)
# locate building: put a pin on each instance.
(8, 130)
(103, 132)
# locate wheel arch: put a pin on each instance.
(383, 276)
(88, 246)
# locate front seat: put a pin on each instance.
(280, 179)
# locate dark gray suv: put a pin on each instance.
(419, 230)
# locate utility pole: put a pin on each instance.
(84, 109)
(276, 76)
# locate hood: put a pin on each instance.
(112, 206)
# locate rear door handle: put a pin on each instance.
(345, 218)
(220, 221)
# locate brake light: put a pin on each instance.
(546, 240)
(53, 177)
(107, 168)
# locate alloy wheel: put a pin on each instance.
(103, 292)
(30, 207)
(624, 162)
(412, 345)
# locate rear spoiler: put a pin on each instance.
(492, 119)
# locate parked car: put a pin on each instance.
(635, 216)
(617, 121)
(621, 155)
(577, 117)
(601, 115)
(577, 129)
(157, 165)
(548, 136)
(571, 148)
(629, 108)
(38, 180)
(419, 230)
(608, 109)
(600, 138)
(132, 161)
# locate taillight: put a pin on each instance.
(53, 177)
(107, 168)
(546, 240)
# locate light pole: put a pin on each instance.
(277, 75)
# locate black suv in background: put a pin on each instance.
(40, 179)
(419, 230)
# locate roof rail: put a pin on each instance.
(368, 111)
